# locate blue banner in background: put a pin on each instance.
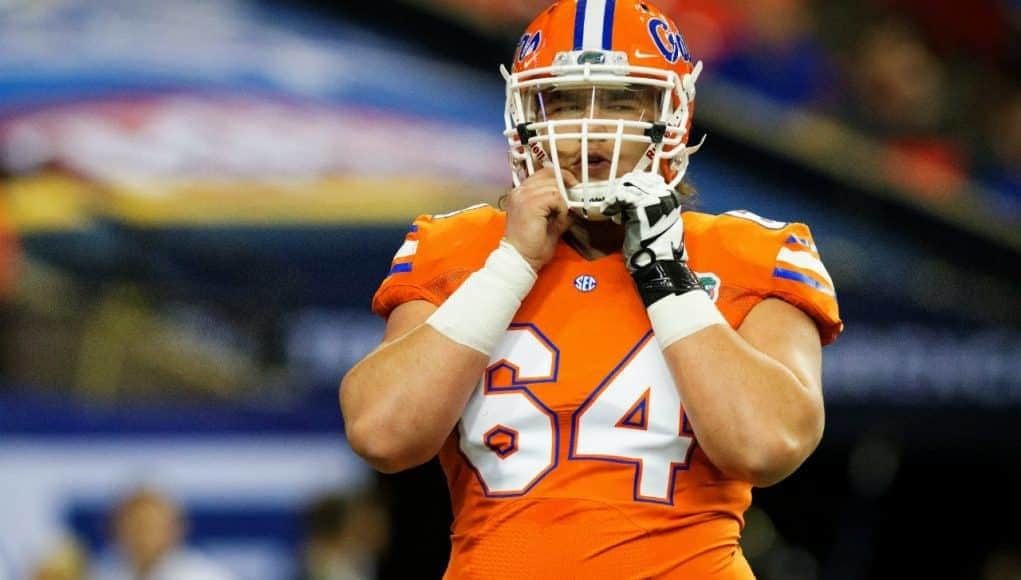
(83, 49)
(228, 112)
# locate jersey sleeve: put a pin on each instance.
(763, 258)
(799, 277)
(438, 253)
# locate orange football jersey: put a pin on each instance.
(573, 458)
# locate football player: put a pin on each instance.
(604, 377)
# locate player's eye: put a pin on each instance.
(564, 105)
(625, 102)
(624, 105)
(561, 109)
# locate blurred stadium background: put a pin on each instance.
(198, 198)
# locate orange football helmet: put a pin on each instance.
(612, 49)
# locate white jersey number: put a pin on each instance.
(507, 433)
(633, 417)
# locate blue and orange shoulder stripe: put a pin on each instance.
(757, 249)
(798, 260)
(765, 257)
(402, 260)
(430, 238)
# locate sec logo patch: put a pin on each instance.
(585, 283)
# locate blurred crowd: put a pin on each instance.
(935, 81)
(341, 539)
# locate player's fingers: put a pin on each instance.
(544, 202)
(552, 200)
(547, 176)
(538, 190)
(542, 176)
(561, 218)
(547, 171)
(535, 183)
(570, 180)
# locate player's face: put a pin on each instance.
(603, 107)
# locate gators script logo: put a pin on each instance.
(669, 42)
(528, 44)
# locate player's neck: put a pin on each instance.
(594, 240)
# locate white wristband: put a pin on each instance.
(679, 315)
(478, 313)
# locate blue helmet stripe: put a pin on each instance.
(579, 25)
(608, 25)
(593, 24)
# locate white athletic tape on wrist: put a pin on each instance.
(478, 313)
(680, 315)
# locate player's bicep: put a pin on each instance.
(786, 334)
(405, 318)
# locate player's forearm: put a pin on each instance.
(401, 402)
(754, 418)
(404, 399)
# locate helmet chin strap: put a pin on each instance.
(589, 200)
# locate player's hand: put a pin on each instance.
(537, 216)
(651, 214)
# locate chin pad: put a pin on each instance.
(589, 201)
